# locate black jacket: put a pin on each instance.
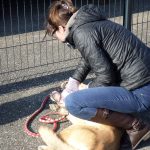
(114, 54)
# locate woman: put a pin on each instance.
(119, 60)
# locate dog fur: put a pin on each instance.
(81, 135)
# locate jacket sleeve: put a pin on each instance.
(81, 71)
(97, 59)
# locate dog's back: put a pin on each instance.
(52, 140)
(81, 137)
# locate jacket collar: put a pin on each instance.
(69, 25)
(67, 37)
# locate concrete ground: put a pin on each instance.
(15, 107)
(18, 104)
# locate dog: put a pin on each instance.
(81, 135)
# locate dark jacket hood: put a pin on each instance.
(89, 13)
(86, 14)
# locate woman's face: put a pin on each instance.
(59, 34)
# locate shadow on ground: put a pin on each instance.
(14, 110)
(13, 114)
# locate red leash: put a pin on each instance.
(45, 119)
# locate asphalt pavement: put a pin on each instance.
(18, 104)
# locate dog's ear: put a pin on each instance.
(43, 147)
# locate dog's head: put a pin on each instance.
(58, 108)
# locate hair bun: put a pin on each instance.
(65, 6)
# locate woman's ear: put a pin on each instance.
(61, 29)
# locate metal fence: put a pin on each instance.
(23, 53)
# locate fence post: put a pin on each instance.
(127, 16)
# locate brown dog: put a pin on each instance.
(81, 135)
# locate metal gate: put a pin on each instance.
(25, 55)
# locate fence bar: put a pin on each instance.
(23, 54)
(127, 14)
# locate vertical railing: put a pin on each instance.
(23, 53)
(127, 17)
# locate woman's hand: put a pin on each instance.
(72, 86)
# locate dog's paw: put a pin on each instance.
(42, 147)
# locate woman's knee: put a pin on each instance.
(71, 104)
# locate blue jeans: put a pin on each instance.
(84, 103)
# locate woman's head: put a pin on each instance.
(59, 13)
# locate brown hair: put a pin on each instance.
(59, 13)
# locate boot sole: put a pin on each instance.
(144, 138)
